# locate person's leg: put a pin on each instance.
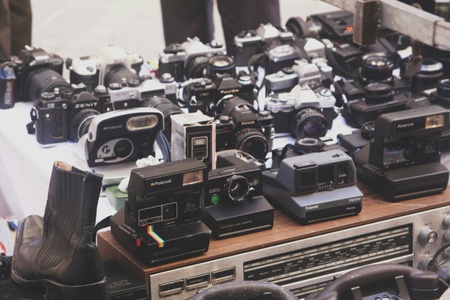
(238, 15)
(21, 19)
(5, 30)
(187, 18)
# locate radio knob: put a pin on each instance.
(447, 221)
(428, 236)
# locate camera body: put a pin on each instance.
(221, 80)
(234, 201)
(64, 115)
(37, 72)
(250, 42)
(303, 112)
(314, 186)
(122, 135)
(188, 59)
(240, 126)
(161, 220)
(109, 65)
(402, 160)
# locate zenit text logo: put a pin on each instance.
(161, 182)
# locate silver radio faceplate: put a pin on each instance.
(305, 266)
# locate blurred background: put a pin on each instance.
(77, 28)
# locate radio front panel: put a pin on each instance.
(307, 265)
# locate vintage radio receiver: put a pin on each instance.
(306, 265)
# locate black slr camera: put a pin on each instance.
(38, 72)
(188, 59)
(240, 126)
(234, 203)
(161, 220)
(402, 160)
(220, 80)
(306, 111)
(64, 115)
(110, 65)
(122, 135)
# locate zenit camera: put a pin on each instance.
(240, 126)
(38, 72)
(111, 64)
(64, 115)
(188, 59)
(306, 111)
(403, 158)
(234, 201)
(221, 80)
(315, 186)
(122, 135)
(161, 220)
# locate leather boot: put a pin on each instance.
(58, 251)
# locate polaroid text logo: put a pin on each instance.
(405, 125)
(161, 182)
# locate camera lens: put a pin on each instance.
(166, 107)
(123, 148)
(195, 67)
(221, 66)
(443, 88)
(378, 92)
(253, 142)
(237, 187)
(45, 80)
(117, 73)
(309, 122)
(81, 121)
(429, 75)
(308, 145)
(377, 67)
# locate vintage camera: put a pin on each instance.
(250, 42)
(306, 111)
(111, 64)
(315, 186)
(234, 202)
(161, 220)
(39, 72)
(188, 59)
(379, 98)
(122, 135)
(240, 126)
(221, 80)
(402, 160)
(64, 114)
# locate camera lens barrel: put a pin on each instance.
(377, 67)
(237, 188)
(309, 122)
(45, 80)
(378, 92)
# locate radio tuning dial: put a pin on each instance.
(428, 236)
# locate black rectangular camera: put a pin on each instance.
(161, 220)
(240, 126)
(402, 160)
(234, 201)
(64, 115)
(122, 135)
(315, 186)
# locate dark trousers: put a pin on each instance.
(15, 26)
(193, 18)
